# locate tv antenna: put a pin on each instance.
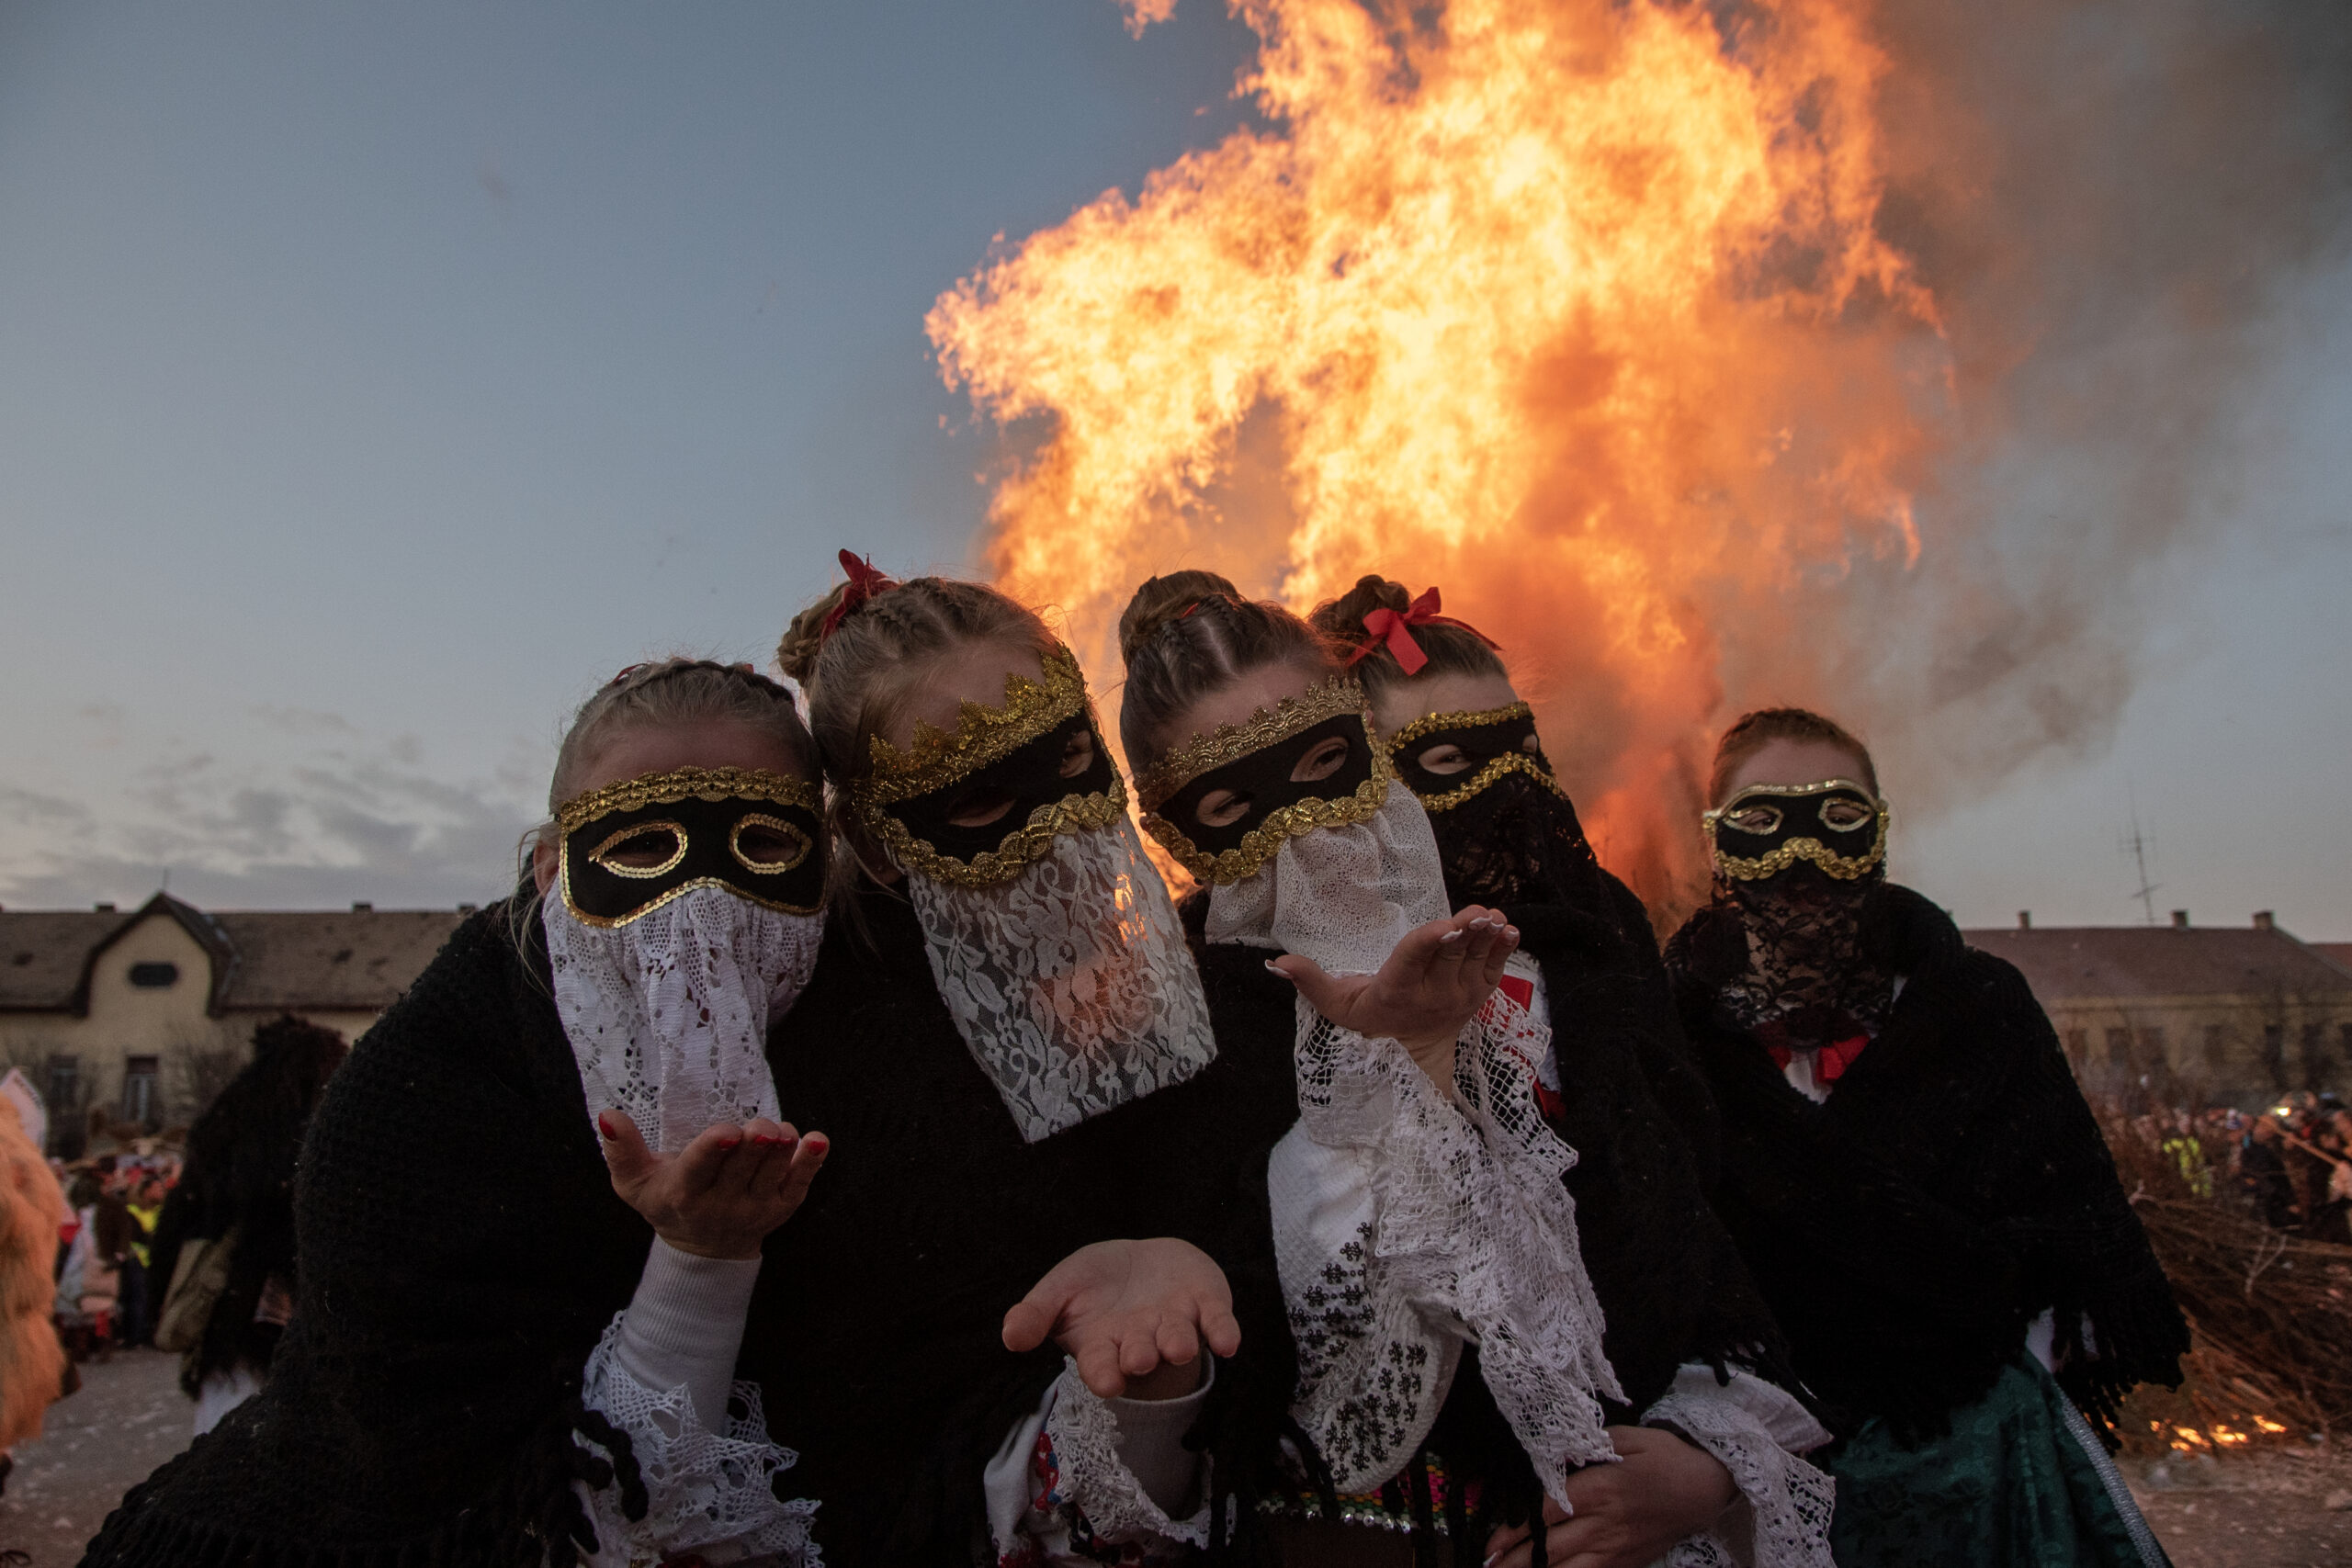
(2135, 843)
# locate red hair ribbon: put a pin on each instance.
(1388, 626)
(864, 582)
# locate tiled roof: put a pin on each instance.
(2337, 953)
(2063, 962)
(43, 954)
(343, 960)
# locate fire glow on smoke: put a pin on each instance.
(1576, 307)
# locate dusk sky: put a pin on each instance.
(376, 381)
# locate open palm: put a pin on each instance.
(1125, 1308)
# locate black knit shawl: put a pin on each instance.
(877, 1319)
(462, 1250)
(1953, 1185)
(1634, 1106)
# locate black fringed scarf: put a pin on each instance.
(1953, 1185)
(462, 1250)
(879, 1311)
(1632, 1103)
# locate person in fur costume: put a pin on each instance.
(32, 1361)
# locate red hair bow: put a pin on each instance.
(864, 582)
(1388, 626)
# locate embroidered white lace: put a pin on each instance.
(1343, 895)
(1787, 1501)
(668, 1015)
(1466, 1230)
(1470, 1225)
(703, 1486)
(1071, 984)
(1085, 1436)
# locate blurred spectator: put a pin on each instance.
(2262, 1175)
(226, 1240)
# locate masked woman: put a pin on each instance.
(1454, 1372)
(1009, 1038)
(510, 1345)
(1914, 1177)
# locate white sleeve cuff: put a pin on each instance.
(663, 1374)
(1755, 1429)
(1120, 1475)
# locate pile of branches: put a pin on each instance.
(2270, 1314)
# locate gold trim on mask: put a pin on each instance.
(1477, 783)
(1231, 742)
(686, 783)
(677, 832)
(763, 868)
(984, 735)
(1845, 868)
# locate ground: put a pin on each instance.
(129, 1417)
(2288, 1507)
(2270, 1509)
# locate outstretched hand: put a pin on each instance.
(1424, 994)
(720, 1195)
(1132, 1315)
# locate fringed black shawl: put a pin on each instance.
(462, 1250)
(877, 1316)
(1637, 1111)
(1954, 1186)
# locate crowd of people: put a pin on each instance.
(840, 1148)
(180, 1244)
(2289, 1164)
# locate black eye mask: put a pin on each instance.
(1029, 777)
(1263, 779)
(757, 835)
(1796, 829)
(1494, 742)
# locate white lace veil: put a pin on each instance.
(668, 1015)
(1344, 894)
(1071, 983)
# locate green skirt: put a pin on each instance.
(2020, 1480)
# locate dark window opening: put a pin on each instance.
(2217, 1046)
(66, 1134)
(155, 977)
(140, 1103)
(2273, 1054)
(2314, 1067)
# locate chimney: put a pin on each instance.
(2265, 922)
(361, 906)
(467, 908)
(2180, 920)
(103, 909)
(2025, 920)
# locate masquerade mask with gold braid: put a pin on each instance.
(1491, 744)
(1039, 758)
(1253, 764)
(634, 846)
(1838, 824)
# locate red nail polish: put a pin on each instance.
(604, 1124)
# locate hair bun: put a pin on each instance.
(1341, 619)
(795, 651)
(1164, 599)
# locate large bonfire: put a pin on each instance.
(1578, 308)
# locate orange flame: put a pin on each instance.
(1574, 306)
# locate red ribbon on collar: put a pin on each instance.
(864, 582)
(1386, 625)
(1829, 1063)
